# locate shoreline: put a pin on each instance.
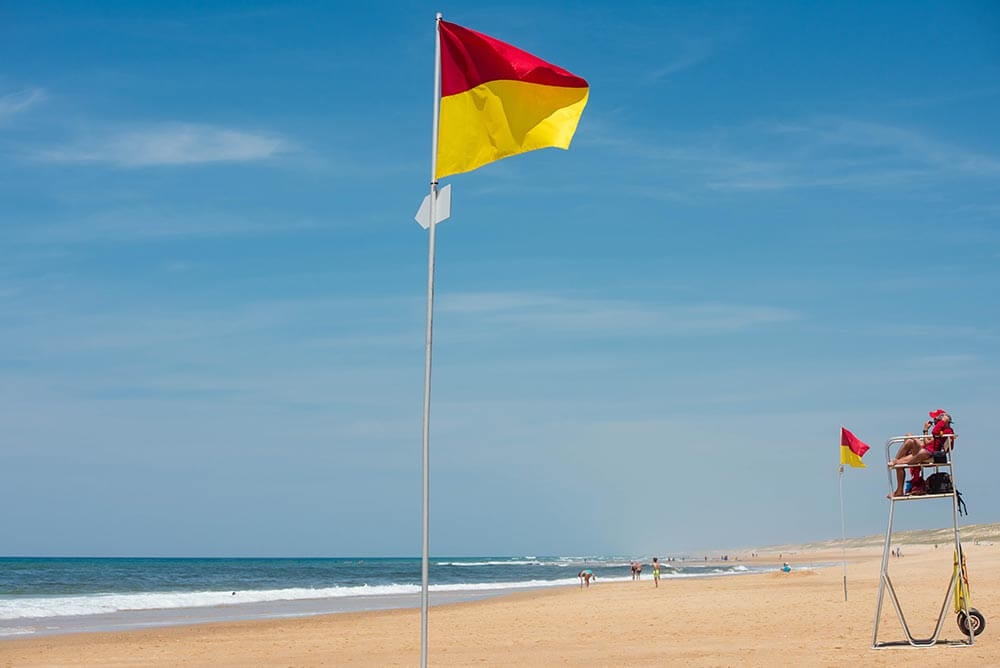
(763, 618)
(798, 618)
(290, 608)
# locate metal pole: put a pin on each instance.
(843, 530)
(424, 560)
(883, 575)
(958, 541)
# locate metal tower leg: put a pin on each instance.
(885, 583)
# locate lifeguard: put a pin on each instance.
(917, 449)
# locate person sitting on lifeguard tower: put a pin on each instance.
(918, 449)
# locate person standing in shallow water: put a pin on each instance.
(585, 576)
(656, 571)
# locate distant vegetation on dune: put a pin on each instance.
(970, 533)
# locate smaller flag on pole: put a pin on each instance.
(852, 449)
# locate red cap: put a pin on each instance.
(938, 413)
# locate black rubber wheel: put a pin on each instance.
(978, 622)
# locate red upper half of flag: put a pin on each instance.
(470, 58)
(851, 441)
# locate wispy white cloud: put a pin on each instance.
(946, 98)
(592, 317)
(981, 210)
(140, 326)
(825, 152)
(888, 142)
(941, 361)
(943, 332)
(692, 52)
(170, 144)
(142, 224)
(12, 104)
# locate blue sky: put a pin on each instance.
(775, 219)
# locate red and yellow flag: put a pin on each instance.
(852, 449)
(497, 101)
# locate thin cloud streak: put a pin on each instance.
(944, 361)
(896, 142)
(15, 103)
(823, 152)
(37, 328)
(169, 144)
(694, 52)
(590, 317)
(143, 225)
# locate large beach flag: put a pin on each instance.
(497, 101)
(852, 449)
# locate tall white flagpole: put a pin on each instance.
(427, 352)
(843, 530)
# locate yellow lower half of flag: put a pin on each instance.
(847, 456)
(501, 118)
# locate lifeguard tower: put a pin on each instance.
(970, 621)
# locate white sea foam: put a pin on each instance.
(94, 604)
(16, 631)
(525, 562)
(490, 563)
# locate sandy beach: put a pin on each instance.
(766, 619)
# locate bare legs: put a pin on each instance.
(911, 452)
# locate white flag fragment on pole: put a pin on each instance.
(442, 208)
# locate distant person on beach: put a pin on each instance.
(632, 564)
(786, 568)
(638, 570)
(585, 576)
(918, 449)
(656, 571)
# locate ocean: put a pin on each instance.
(62, 595)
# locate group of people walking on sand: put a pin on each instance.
(586, 575)
(636, 567)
